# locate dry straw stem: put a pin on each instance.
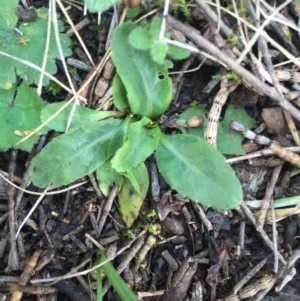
(37, 193)
(247, 77)
(35, 67)
(220, 99)
(276, 45)
(62, 57)
(70, 22)
(32, 210)
(268, 152)
(139, 239)
(40, 84)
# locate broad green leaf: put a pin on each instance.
(135, 11)
(7, 13)
(197, 171)
(178, 53)
(169, 64)
(19, 117)
(119, 94)
(107, 176)
(228, 141)
(81, 116)
(155, 27)
(120, 136)
(142, 142)
(99, 5)
(124, 292)
(130, 200)
(149, 88)
(73, 155)
(159, 52)
(28, 47)
(140, 38)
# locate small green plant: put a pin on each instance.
(229, 75)
(106, 142)
(181, 5)
(121, 288)
(117, 148)
(53, 88)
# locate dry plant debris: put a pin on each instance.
(244, 57)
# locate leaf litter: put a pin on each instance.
(197, 251)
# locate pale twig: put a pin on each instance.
(62, 57)
(264, 49)
(267, 198)
(37, 193)
(95, 242)
(260, 30)
(25, 177)
(32, 210)
(71, 275)
(13, 261)
(247, 77)
(268, 152)
(250, 274)
(279, 18)
(107, 207)
(265, 35)
(40, 84)
(211, 130)
(70, 22)
(35, 67)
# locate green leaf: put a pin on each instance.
(169, 64)
(73, 155)
(119, 94)
(135, 11)
(120, 136)
(149, 88)
(124, 292)
(228, 141)
(99, 5)
(178, 53)
(107, 176)
(197, 171)
(159, 52)
(7, 16)
(81, 116)
(19, 117)
(141, 143)
(140, 38)
(99, 286)
(130, 200)
(155, 27)
(29, 47)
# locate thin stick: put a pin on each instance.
(40, 84)
(70, 275)
(62, 58)
(268, 198)
(220, 99)
(13, 262)
(38, 193)
(248, 77)
(107, 207)
(32, 210)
